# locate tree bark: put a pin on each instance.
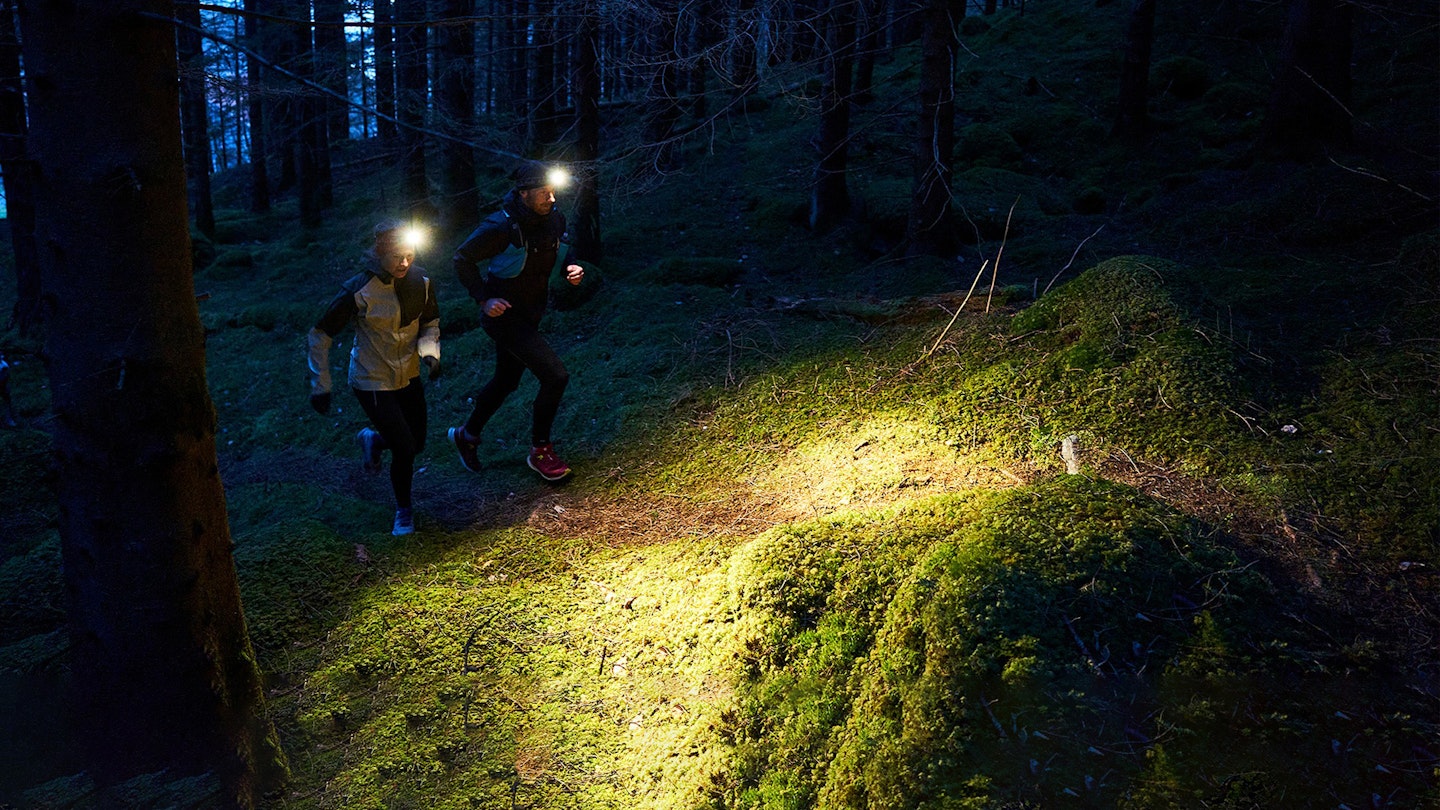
(282, 109)
(743, 43)
(517, 77)
(587, 244)
(830, 197)
(930, 228)
(706, 33)
(872, 18)
(255, 109)
(1309, 103)
(195, 118)
(540, 116)
(333, 67)
(662, 100)
(385, 71)
(308, 107)
(412, 98)
(19, 178)
(455, 106)
(163, 671)
(1132, 117)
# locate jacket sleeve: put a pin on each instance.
(485, 243)
(430, 323)
(337, 316)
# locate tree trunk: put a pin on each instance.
(385, 71)
(830, 198)
(164, 674)
(540, 119)
(662, 101)
(1309, 104)
(586, 242)
(455, 105)
(412, 98)
(871, 24)
(255, 107)
(283, 112)
(19, 178)
(706, 34)
(907, 19)
(312, 152)
(333, 67)
(743, 38)
(517, 74)
(195, 118)
(931, 227)
(1132, 118)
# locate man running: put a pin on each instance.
(519, 246)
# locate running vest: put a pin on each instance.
(510, 261)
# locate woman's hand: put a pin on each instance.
(495, 307)
(574, 273)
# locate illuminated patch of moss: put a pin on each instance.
(1113, 358)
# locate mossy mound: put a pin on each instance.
(1113, 358)
(1071, 642)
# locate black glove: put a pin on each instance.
(320, 402)
(433, 364)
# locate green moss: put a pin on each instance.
(1072, 642)
(1112, 356)
(708, 271)
(1071, 639)
(947, 670)
(987, 145)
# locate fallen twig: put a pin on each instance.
(1072, 258)
(995, 270)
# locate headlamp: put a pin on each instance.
(413, 237)
(557, 177)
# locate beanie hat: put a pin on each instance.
(531, 174)
(388, 230)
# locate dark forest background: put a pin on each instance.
(974, 404)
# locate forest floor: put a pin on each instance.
(778, 436)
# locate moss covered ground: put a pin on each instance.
(821, 548)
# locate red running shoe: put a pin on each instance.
(465, 449)
(544, 461)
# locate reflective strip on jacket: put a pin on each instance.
(397, 322)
